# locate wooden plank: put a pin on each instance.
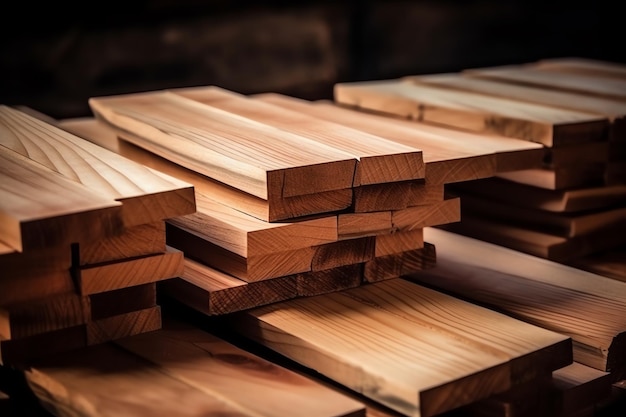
(399, 242)
(29, 287)
(140, 240)
(32, 216)
(585, 176)
(147, 195)
(566, 201)
(418, 217)
(40, 261)
(576, 387)
(533, 122)
(123, 325)
(219, 367)
(329, 280)
(400, 360)
(271, 210)
(103, 277)
(609, 263)
(534, 290)
(108, 381)
(582, 66)
(379, 160)
(353, 225)
(396, 265)
(526, 74)
(123, 300)
(227, 147)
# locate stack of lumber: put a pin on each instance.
(290, 204)
(574, 205)
(82, 240)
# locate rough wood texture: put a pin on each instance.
(396, 265)
(124, 300)
(226, 147)
(353, 225)
(533, 122)
(103, 277)
(123, 325)
(420, 361)
(147, 195)
(576, 387)
(588, 308)
(379, 160)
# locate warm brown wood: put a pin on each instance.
(272, 209)
(396, 265)
(227, 147)
(103, 277)
(18, 289)
(123, 300)
(32, 216)
(609, 263)
(526, 74)
(585, 176)
(140, 240)
(576, 387)
(533, 122)
(399, 242)
(353, 225)
(123, 325)
(20, 353)
(587, 307)
(379, 160)
(35, 262)
(147, 195)
(344, 252)
(418, 217)
(421, 361)
(582, 65)
(576, 155)
(329, 280)
(521, 195)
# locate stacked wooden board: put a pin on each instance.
(572, 206)
(82, 240)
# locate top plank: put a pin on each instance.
(253, 157)
(583, 66)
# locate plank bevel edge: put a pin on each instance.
(186, 132)
(410, 361)
(147, 194)
(530, 288)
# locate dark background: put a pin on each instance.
(58, 54)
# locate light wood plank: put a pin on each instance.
(418, 217)
(399, 242)
(147, 195)
(532, 122)
(582, 65)
(123, 300)
(123, 325)
(227, 147)
(400, 362)
(396, 265)
(379, 160)
(329, 280)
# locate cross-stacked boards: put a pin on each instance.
(567, 208)
(83, 232)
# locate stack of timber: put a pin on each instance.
(574, 205)
(82, 240)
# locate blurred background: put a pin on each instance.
(58, 54)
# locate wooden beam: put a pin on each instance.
(396, 265)
(582, 66)
(567, 178)
(123, 325)
(399, 242)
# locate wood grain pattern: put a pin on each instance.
(32, 216)
(534, 290)
(41, 261)
(399, 242)
(576, 387)
(123, 300)
(215, 366)
(227, 147)
(418, 217)
(401, 362)
(533, 122)
(329, 280)
(103, 277)
(147, 195)
(379, 160)
(123, 325)
(396, 265)
(344, 252)
(585, 176)
(353, 225)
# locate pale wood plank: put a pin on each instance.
(396, 265)
(533, 122)
(609, 263)
(418, 217)
(353, 225)
(399, 242)
(123, 300)
(215, 366)
(227, 147)
(103, 277)
(343, 252)
(272, 209)
(400, 362)
(526, 74)
(582, 65)
(585, 176)
(32, 216)
(147, 195)
(123, 325)
(534, 290)
(397, 195)
(379, 160)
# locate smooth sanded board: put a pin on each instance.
(146, 195)
(40, 208)
(396, 196)
(533, 122)
(585, 306)
(582, 66)
(423, 362)
(271, 209)
(379, 160)
(526, 74)
(253, 157)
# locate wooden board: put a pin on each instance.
(572, 177)
(418, 217)
(582, 66)
(250, 156)
(32, 216)
(396, 265)
(587, 307)
(329, 280)
(17, 289)
(609, 263)
(123, 325)
(147, 195)
(353, 225)
(35, 262)
(533, 122)
(124, 300)
(580, 154)
(379, 160)
(399, 242)
(418, 361)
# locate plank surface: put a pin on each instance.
(399, 242)
(395, 265)
(147, 195)
(398, 360)
(533, 122)
(583, 66)
(250, 156)
(379, 160)
(418, 217)
(124, 300)
(565, 178)
(609, 263)
(576, 386)
(123, 325)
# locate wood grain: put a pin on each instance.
(123, 300)
(399, 242)
(227, 147)
(353, 225)
(29, 287)
(123, 325)
(396, 265)
(329, 280)
(576, 387)
(343, 252)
